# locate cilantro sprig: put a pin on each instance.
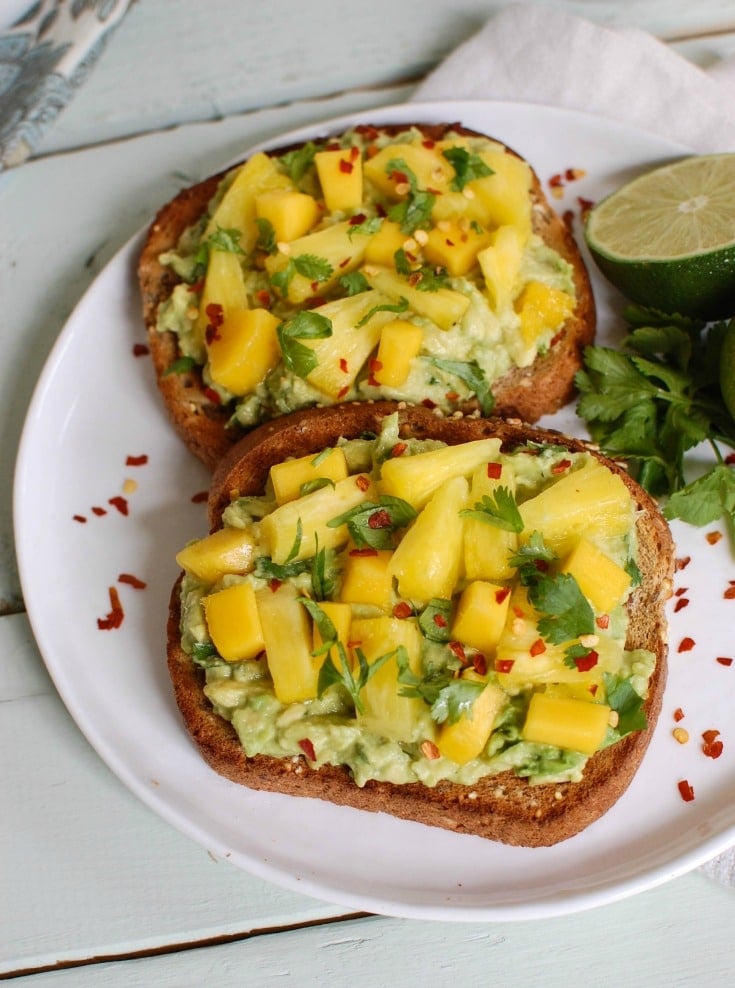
(467, 167)
(448, 695)
(305, 325)
(415, 210)
(372, 523)
(498, 509)
(473, 376)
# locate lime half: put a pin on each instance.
(667, 238)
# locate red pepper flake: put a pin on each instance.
(501, 594)
(428, 403)
(593, 688)
(457, 648)
(428, 144)
(556, 338)
(494, 470)
(681, 603)
(120, 503)
(96, 510)
(686, 644)
(399, 177)
(274, 585)
(116, 614)
(132, 581)
(201, 497)
(399, 449)
(729, 594)
(354, 643)
(724, 660)
(307, 747)
(713, 537)
(368, 131)
(343, 366)
(678, 714)
(586, 662)
(518, 611)
(343, 391)
(730, 459)
(603, 621)
(136, 461)
(367, 551)
(712, 746)
(196, 287)
(373, 381)
(140, 350)
(357, 219)
(345, 262)
(685, 791)
(80, 518)
(362, 482)
(346, 167)
(479, 663)
(264, 297)
(538, 647)
(682, 563)
(215, 314)
(212, 396)
(680, 591)
(568, 218)
(375, 365)
(585, 205)
(451, 396)
(439, 620)
(402, 610)
(556, 181)
(561, 466)
(503, 665)
(379, 519)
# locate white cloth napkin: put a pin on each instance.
(538, 54)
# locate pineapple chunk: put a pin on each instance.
(287, 635)
(506, 194)
(481, 615)
(289, 477)
(566, 723)
(385, 712)
(428, 558)
(602, 581)
(500, 264)
(314, 512)
(382, 246)
(236, 209)
(389, 169)
(400, 342)
(243, 350)
(454, 245)
(589, 500)
(342, 355)
(542, 308)
(487, 549)
(416, 478)
(224, 286)
(340, 176)
(290, 213)
(339, 248)
(341, 617)
(445, 307)
(465, 738)
(228, 550)
(233, 622)
(368, 580)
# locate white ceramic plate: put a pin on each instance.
(96, 404)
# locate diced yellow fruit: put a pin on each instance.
(287, 635)
(385, 711)
(542, 309)
(243, 350)
(487, 549)
(400, 342)
(341, 356)
(481, 615)
(430, 168)
(415, 478)
(289, 477)
(444, 306)
(290, 213)
(507, 192)
(340, 176)
(236, 209)
(314, 512)
(454, 245)
(566, 723)
(465, 738)
(382, 246)
(500, 264)
(233, 622)
(341, 617)
(368, 580)
(341, 246)
(589, 499)
(228, 550)
(428, 558)
(224, 286)
(601, 580)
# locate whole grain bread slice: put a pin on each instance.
(502, 807)
(202, 423)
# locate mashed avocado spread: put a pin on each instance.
(419, 612)
(366, 267)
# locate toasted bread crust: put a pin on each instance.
(527, 393)
(502, 807)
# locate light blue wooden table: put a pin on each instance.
(95, 889)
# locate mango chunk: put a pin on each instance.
(500, 263)
(465, 738)
(287, 635)
(382, 246)
(389, 169)
(444, 306)
(601, 580)
(416, 478)
(243, 349)
(566, 723)
(487, 549)
(481, 615)
(233, 622)
(400, 342)
(340, 176)
(341, 617)
(542, 308)
(506, 194)
(289, 477)
(367, 579)
(454, 245)
(228, 550)
(236, 209)
(290, 213)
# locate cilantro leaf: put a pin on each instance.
(532, 559)
(180, 366)
(204, 654)
(622, 698)
(305, 325)
(706, 499)
(499, 509)
(473, 376)
(455, 699)
(415, 210)
(266, 569)
(434, 620)
(330, 675)
(354, 282)
(266, 236)
(315, 485)
(400, 306)
(466, 166)
(298, 162)
(371, 524)
(566, 611)
(324, 625)
(323, 572)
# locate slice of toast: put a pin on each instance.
(206, 425)
(500, 807)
